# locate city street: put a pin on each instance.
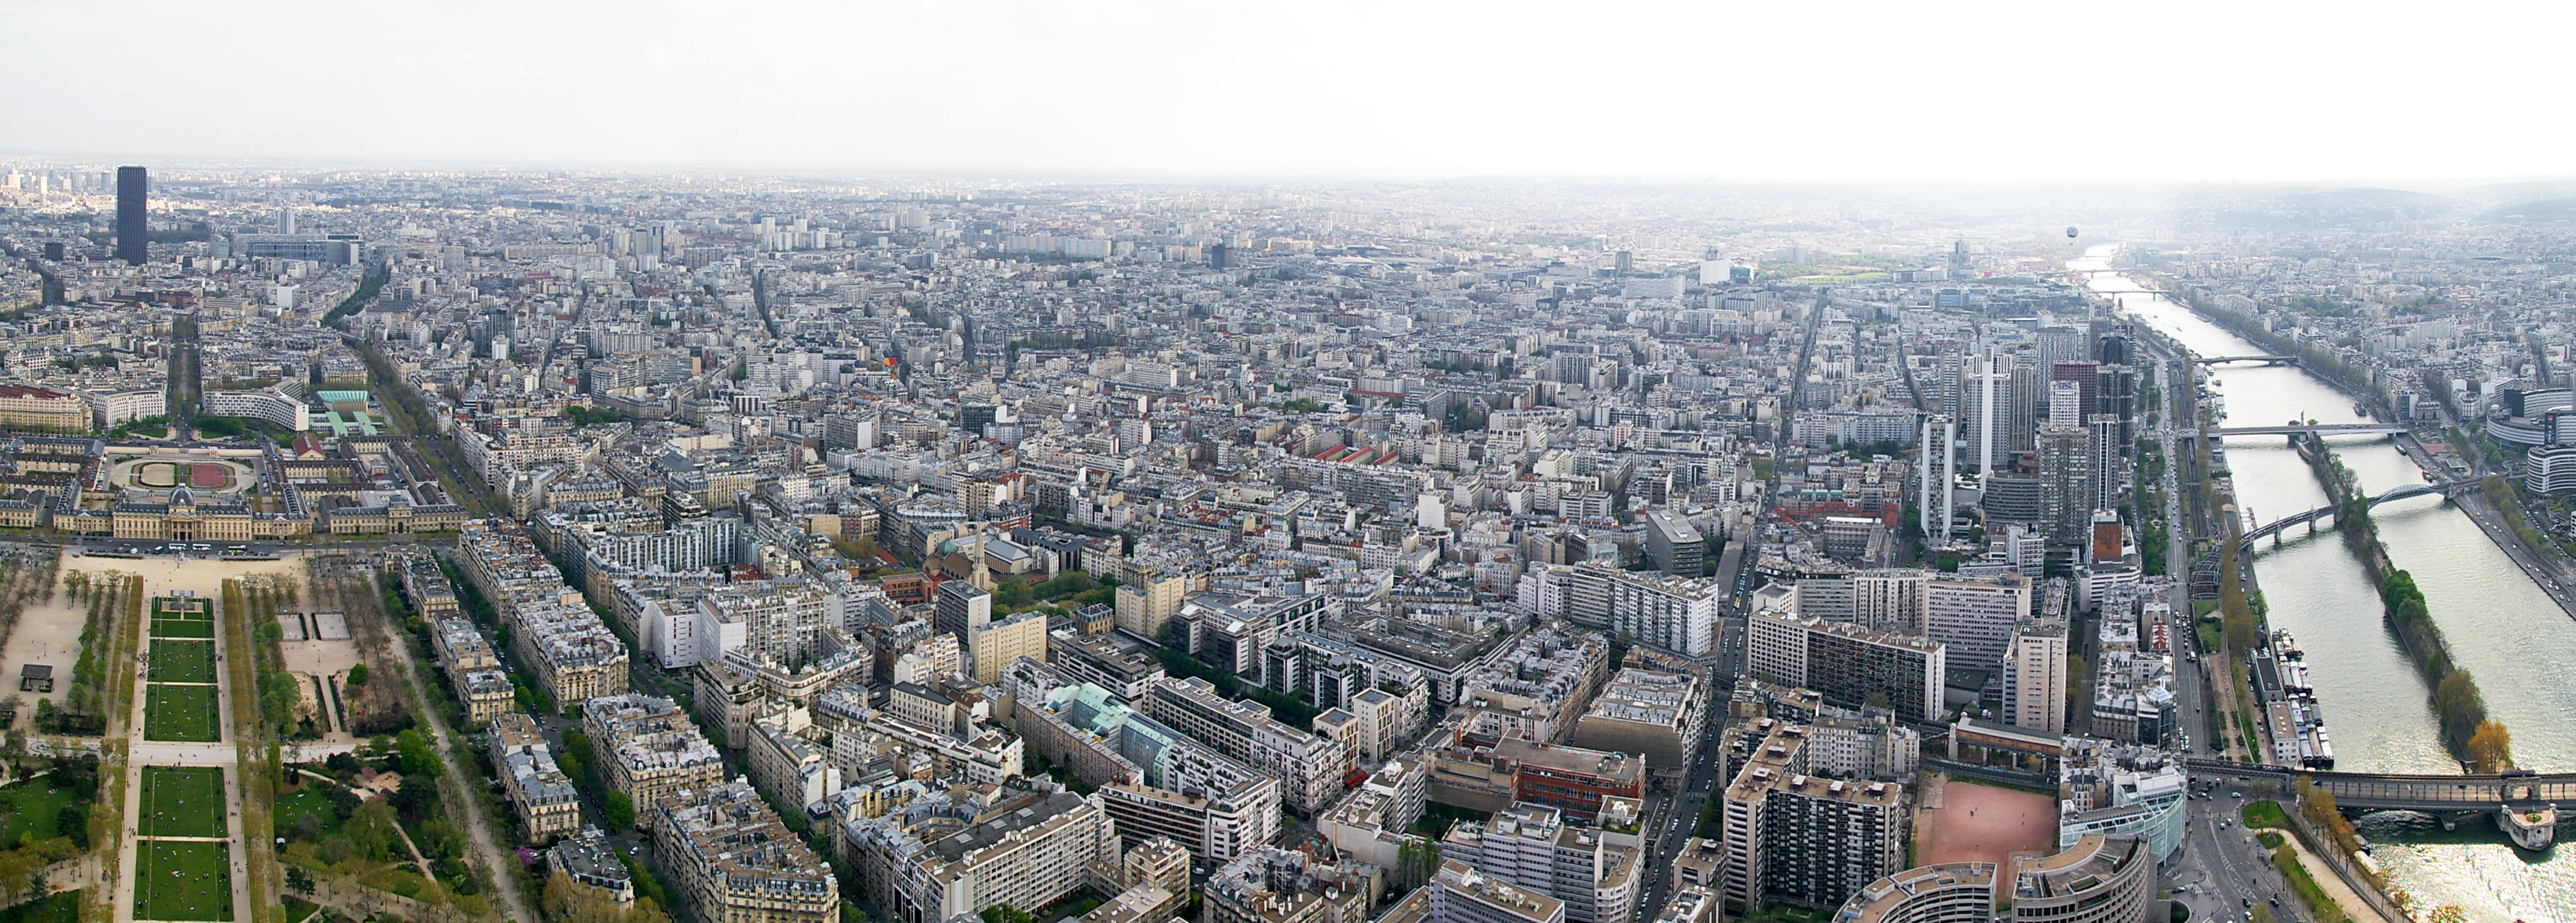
(2222, 871)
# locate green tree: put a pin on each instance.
(418, 757)
(618, 810)
(357, 676)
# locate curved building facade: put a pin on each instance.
(2550, 469)
(2529, 418)
(2098, 880)
(1958, 892)
(274, 406)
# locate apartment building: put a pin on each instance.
(1461, 894)
(567, 650)
(1533, 846)
(1850, 666)
(547, 804)
(1975, 618)
(1804, 840)
(1309, 768)
(1540, 685)
(1673, 612)
(1660, 715)
(1028, 853)
(26, 407)
(788, 767)
(472, 668)
(425, 585)
(995, 645)
(736, 863)
(1268, 885)
(647, 747)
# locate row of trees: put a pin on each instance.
(281, 697)
(2457, 703)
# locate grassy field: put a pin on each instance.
(185, 713)
(185, 880)
(183, 661)
(182, 801)
(31, 806)
(307, 800)
(183, 628)
(58, 908)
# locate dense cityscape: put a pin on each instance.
(748, 547)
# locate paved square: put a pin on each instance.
(183, 880)
(182, 713)
(182, 801)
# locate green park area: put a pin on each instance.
(185, 713)
(182, 802)
(183, 661)
(173, 617)
(35, 808)
(183, 880)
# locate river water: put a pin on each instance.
(2501, 626)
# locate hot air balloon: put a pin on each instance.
(2070, 231)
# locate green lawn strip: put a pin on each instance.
(32, 807)
(184, 880)
(182, 801)
(185, 629)
(2320, 906)
(190, 607)
(2263, 814)
(181, 713)
(183, 661)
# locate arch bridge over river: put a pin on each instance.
(2400, 492)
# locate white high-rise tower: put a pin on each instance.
(1934, 501)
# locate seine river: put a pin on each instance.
(2501, 626)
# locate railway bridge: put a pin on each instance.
(2524, 803)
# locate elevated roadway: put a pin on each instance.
(2431, 794)
(2322, 429)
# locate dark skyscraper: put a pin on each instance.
(133, 235)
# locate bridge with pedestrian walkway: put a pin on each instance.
(2431, 794)
(2402, 492)
(2321, 429)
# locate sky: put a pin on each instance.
(2181, 90)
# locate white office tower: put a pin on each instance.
(1975, 618)
(1933, 501)
(282, 296)
(1716, 272)
(1987, 399)
(1429, 512)
(2065, 404)
(286, 221)
(1894, 600)
(2110, 461)
(2020, 546)
(501, 348)
(2034, 680)
(1986, 414)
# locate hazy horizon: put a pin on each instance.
(2004, 92)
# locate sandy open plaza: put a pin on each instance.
(1961, 821)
